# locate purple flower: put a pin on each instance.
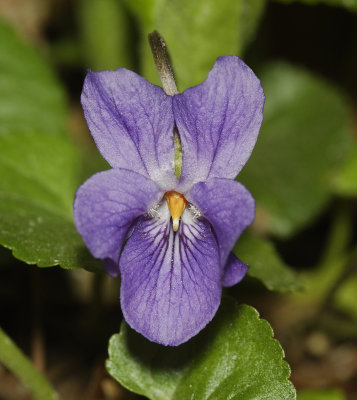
(179, 232)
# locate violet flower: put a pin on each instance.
(179, 232)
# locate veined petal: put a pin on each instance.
(105, 207)
(234, 271)
(171, 282)
(218, 121)
(228, 206)
(132, 123)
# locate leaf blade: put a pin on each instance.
(305, 136)
(266, 265)
(39, 166)
(234, 357)
(206, 29)
(349, 4)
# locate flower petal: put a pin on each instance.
(105, 208)
(218, 121)
(132, 123)
(171, 282)
(228, 206)
(234, 271)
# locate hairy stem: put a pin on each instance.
(162, 62)
(15, 360)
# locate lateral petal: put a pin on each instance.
(131, 122)
(171, 282)
(234, 271)
(218, 121)
(228, 206)
(105, 207)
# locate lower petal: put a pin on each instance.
(171, 282)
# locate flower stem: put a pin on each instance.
(335, 262)
(178, 154)
(14, 359)
(163, 65)
(162, 62)
(349, 270)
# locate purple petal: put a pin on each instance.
(131, 122)
(105, 208)
(234, 271)
(171, 282)
(219, 121)
(228, 206)
(111, 266)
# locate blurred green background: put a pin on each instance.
(302, 248)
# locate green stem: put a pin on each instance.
(16, 361)
(339, 237)
(335, 258)
(350, 269)
(178, 154)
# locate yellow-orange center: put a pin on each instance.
(176, 203)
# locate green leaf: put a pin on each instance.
(39, 167)
(37, 187)
(306, 134)
(349, 4)
(206, 30)
(320, 394)
(346, 297)
(234, 357)
(30, 96)
(266, 265)
(145, 11)
(104, 32)
(345, 181)
(248, 23)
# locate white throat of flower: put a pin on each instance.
(175, 206)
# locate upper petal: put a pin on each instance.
(131, 122)
(171, 282)
(218, 121)
(228, 206)
(105, 207)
